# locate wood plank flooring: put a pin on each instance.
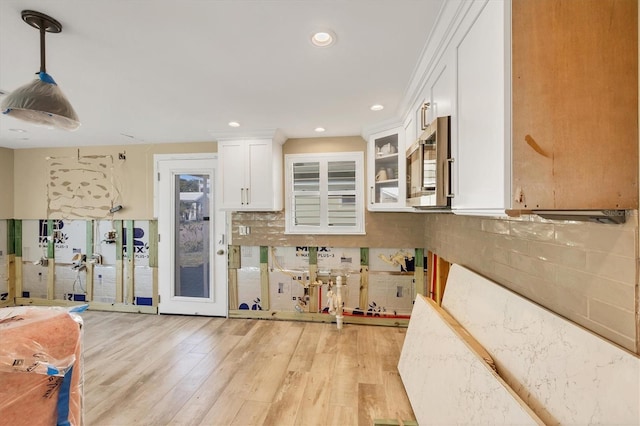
(180, 370)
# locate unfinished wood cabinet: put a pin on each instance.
(575, 104)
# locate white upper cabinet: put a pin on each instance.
(386, 171)
(482, 175)
(251, 174)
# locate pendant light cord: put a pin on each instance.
(42, 47)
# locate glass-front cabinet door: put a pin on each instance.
(387, 171)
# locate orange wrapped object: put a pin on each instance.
(40, 366)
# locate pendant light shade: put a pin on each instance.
(41, 101)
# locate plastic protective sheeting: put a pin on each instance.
(41, 102)
(40, 366)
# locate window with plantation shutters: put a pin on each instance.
(324, 193)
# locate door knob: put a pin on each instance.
(220, 252)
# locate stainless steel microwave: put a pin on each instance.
(429, 167)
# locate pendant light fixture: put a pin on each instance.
(41, 101)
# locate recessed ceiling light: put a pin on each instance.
(319, 129)
(323, 38)
(234, 124)
(18, 130)
(377, 107)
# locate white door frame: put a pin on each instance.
(219, 233)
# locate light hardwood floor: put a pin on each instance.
(180, 370)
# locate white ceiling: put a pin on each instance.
(156, 71)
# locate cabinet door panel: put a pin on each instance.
(575, 104)
(259, 185)
(483, 155)
(442, 92)
(232, 169)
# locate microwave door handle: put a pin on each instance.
(423, 118)
(447, 177)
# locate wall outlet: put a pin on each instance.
(244, 230)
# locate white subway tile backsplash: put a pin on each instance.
(506, 275)
(627, 342)
(616, 293)
(611, 266)
(500, 255)
(513, 244)
(532, 265)
(565, 266)
(613, 317)
(556, 298)
(532, 230)
(607, 238)
(496, 226)
(561, 255)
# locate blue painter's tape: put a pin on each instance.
(79, 308)
(63, 399)
(46, 78)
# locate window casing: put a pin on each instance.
(324, 193)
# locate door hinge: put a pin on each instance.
(158, 176)
(158, 237)
(159, 296)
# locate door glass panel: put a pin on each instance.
(192, 271)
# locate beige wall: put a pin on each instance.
(133, 177)
(583, 271)
(314, 145)
(6, 183)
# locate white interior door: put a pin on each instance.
(192, 258)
